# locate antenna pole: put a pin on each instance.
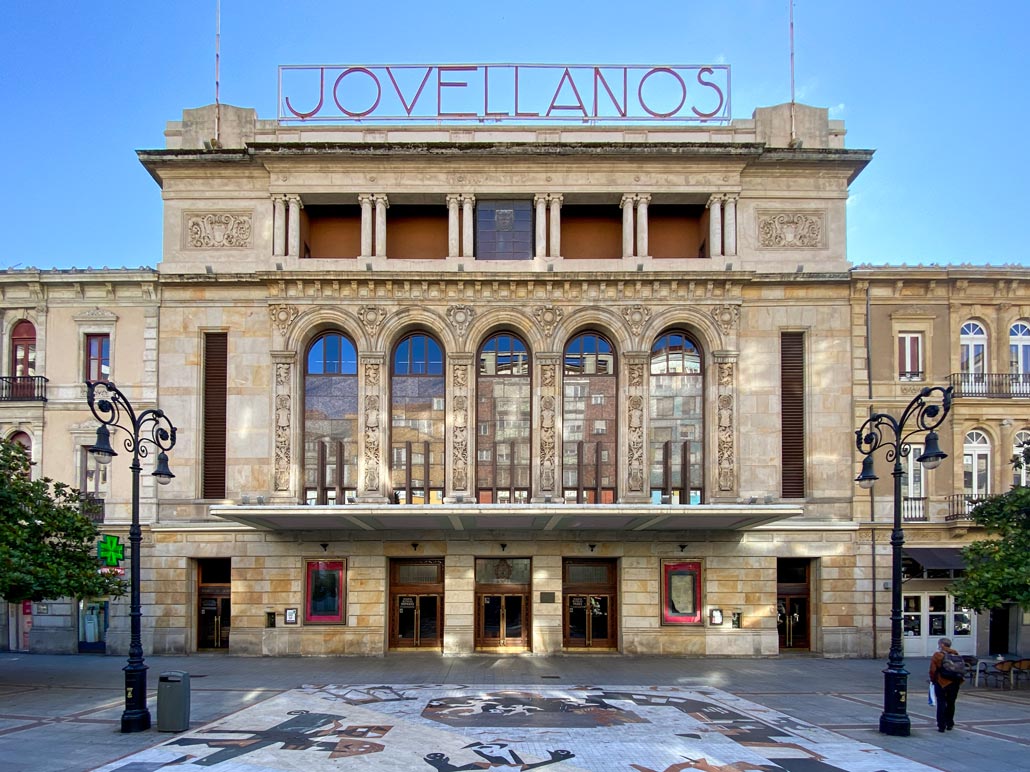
(218, 105)
(793, 128)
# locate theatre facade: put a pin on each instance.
(528, 389)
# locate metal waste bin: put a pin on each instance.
(173, 701)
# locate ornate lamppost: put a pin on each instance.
(879, 430)
(149, 428)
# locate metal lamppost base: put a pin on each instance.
(136, 716)
(894, 720)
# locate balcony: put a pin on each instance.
(913, 510)
(991, 385)
(93, 508)
(961, 505)
(23, 388)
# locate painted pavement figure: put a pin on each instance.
(945, 688)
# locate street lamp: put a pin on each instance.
(882, 429)
(151, 427)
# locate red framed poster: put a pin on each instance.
(324, 592)
(681, 592)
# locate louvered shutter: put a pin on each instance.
(792, 414)
(216, 345)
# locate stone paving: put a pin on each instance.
(450, 728)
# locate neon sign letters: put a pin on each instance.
(487, 93)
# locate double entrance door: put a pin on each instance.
(793, 602)
(502, 604)
(589, 592)
(416, 604)
(214, 603)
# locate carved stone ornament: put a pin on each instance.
(460, 455)
(460, 317)
(282, 317)
(283, 410)
(372, 374)
(218, 230)
(96, 314)
(725, 373)
(636, 375)
(547, 376)
(372, 442)
(636, 317)
(371, 319)
(636, 443)
(727, 317)
(548, 317)
(461, 376)
(547, 440)
(790, 230)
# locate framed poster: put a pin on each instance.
(291, 616)
(681, 592)
(324, 592)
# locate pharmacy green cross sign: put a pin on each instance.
(111, 550)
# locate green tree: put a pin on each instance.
(48, 544)
(998, 568)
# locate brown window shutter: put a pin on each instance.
(792, 414)
(216, 353)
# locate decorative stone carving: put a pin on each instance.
(636, 375)
(547, 440)
(218, 230)
(636, 443)
(96, 315)
(461, 376)
(283, 316)
(371, 439)
(790, 230)
(726, 455)
(283, 412)
(727, 317)
(372, 374)
(460, 454)
(371, 319)
(548, 317)
(636, 317)
(725, 374)
(547, 376)
(460, 317)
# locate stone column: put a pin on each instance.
(278, 226)
(293, 201)
(382, 204)
(540, 202)
(634, 450)
(547, 484)
(715, 226)
(729, 235)
(458, 487)
(373, 397)
(467, 222)
(627, 203)
(452, 225)
(282, 365)
(642, 225)
(555, 201)
(366, 224)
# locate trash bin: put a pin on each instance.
(173, 701)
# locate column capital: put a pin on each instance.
(643, 198)
(454, 198)
(380, 198)
(628, 199)
(555, 198)
(715, 198)
(540, 198)
(365, 198)
(294, 198)
(468, 198)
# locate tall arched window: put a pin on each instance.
(503, 419)
(23, 349)
(976, 465)
(1019, 443)
(973, 358)
(418, 421)
(1019, 357)
(589, 421)
(677, 420)
(331, 420)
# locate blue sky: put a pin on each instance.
(937, 88)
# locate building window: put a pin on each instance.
(23, 349)
(910, 356)
(677, 424)
(976, 462)
(1019, 358)
(1021, 441)
(504, 230)
(681, 592)
(325, 600)
(589, 467)
(503, 399)
(913, 486)
(973, 358)
(98, 357)
(331, 420)
(418, 421)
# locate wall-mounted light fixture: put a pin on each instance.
(503, 546)
(683, 547)
(414, 546)
(592, 547)
(324, 545)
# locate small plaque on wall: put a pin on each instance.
(547, 597)
(290, 617)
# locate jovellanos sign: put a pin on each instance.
(504, 92)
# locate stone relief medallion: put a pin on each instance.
(548, 317)
(371, 318)
(460, 317)
(217, 230)
(282, 317)
(790, 230)
(726, 317)
(636, 317)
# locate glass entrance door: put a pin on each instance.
(792, 622)
(213, 622)
(589, 622)
(417, 622)
(501, 622)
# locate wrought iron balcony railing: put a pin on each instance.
(991, 385)
(93, 507)
(23, 388)
(913, 509)
(961, 505)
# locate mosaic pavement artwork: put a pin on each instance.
(452, 728)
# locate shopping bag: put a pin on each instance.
(931, 697)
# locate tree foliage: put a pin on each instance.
(998, 568)
(48, 544)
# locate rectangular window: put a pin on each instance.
(325, 602)
(504, 230)
(681, 592)
(792, 414)
(910, 356)
(216, 346)
(98, 357)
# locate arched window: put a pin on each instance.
(976, 463)
(503, 399)
(23, 439)
(1019, 443)
(418, 421)
(23, 349)
(589, 421)
(973, 358)
(331, 420)
(677, 420)
(1019, 357)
